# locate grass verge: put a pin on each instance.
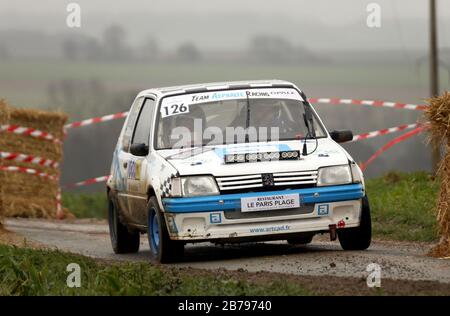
(43, 272)
(402, 205)
(86, 205)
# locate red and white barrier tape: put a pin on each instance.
(375, 103)
(396, 105)
(97, 120)
(391, 144)
(20, 130)
(384, 131)
(28, 158)
(88, 182)
(28, 171)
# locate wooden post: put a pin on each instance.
(434, 74)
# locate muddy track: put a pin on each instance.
(398, 260)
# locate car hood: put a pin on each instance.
(210, 159)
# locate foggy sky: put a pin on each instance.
(229, 24)
(333, 12)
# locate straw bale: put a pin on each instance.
(50, 122)
(28, 195)
(438, 116)
(15, 143)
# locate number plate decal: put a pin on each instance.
(272, 202)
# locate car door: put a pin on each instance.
(137, 165)
(123, 156)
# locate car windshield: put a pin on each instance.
(237, 117)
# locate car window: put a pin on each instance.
(134, 112)
(271, 119)
(144, 123)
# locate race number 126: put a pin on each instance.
(174, 109)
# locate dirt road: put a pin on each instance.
(398, 260)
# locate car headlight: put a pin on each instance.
(334, 175)
(199, 185)
(194, 186)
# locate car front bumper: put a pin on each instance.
(219, 216)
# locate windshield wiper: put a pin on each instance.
(309, 122)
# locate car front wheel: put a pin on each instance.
(163, 249)
(358, 238)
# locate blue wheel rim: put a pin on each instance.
(154, 231)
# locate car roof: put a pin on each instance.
(211, 86)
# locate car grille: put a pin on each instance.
(267, 181)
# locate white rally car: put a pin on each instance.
(232, 162)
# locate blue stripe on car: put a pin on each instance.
(229, 202)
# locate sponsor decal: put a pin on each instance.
(270, 229)
(256, 93)
(215, 218)
(323, 209)
(199, 98)
(171, 105)
(119, 180)
(284, 92)
(271, 202)
(227, 95)
(171, 223)
(137, 174)
(134, 169)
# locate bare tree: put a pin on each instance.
(114, 43)
(4, 52)
(188, 52)
(149, 51)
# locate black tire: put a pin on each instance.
(300, 239)
(164, 249)
(122, 240)
(358, 238)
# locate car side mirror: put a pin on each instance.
(341, 136)
(139, 149)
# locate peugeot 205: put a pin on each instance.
(232, 162)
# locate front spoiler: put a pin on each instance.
(224, 202)
(203, 218)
